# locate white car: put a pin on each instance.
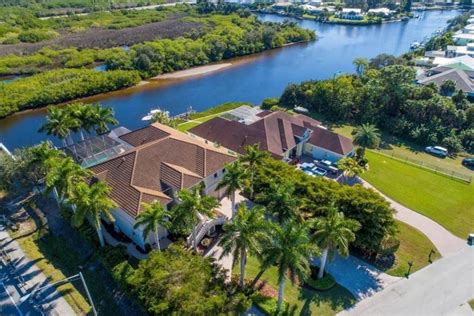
(437, 150)
(327, 165)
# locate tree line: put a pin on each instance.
(383, 93)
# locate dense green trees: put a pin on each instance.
(60, 86)
(385, 95)
(152, 217)
(315, 195)
(177, 282)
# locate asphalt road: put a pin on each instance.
(442, 288)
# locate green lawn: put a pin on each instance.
(393, 145)
(447, 201)
(304, 300)
(415, 247)
(201, 117)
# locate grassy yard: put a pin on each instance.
(201, 117)
(392, 145)
(415, 247)
(448, 202)
(304, 300)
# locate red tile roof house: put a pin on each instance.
(282, 134)
(161, 162)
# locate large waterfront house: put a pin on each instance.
(153, 164)
(284, 135)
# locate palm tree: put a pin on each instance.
(191, 208)
(244, 236)
(361, 65)
(163, 117)
(280, 200)
(102, 118)
(152, 217)
(291, 249)
(366, 135)
(233, 181)
(253, 159)
(58, 123)
(334, 233)
(63, 175)
(92, 202)
(350, 167)
(41, 154)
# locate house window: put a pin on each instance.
(223, 170)
(215, 175)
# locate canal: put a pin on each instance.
(251, 78)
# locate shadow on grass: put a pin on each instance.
(337, 298)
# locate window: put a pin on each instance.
(223, 170)
(215, 175)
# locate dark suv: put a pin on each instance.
(468, 162)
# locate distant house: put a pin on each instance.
(462, 79)
(463, 38)
(350, 14)
(468, 29)
(159, 162)
(442, 64)
(285, 136)
(456, 51)
(383, 12)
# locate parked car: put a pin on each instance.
(327, 165)
(468, 162)
(437, 150)
(319, 171)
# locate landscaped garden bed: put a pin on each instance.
(326, 283)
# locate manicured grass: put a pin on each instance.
(201, 117)
(415, 247)
(392, 145)
(446, 201)
(304, 300)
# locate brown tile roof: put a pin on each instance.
(172, 159)
(143, 135)
(334, 142)
(275, 132)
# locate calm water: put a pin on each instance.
(253, 78)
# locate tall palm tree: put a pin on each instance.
(253, 159)
(102, 118)
(361, 64)
(63, 175)
(152, 217)
(244, 235)
(350, 167)
(233, 181)
(191, 208)
(367, 136)
(92, 202)
(280, 200)
(41, 154)
(58, 123)
(291, 249)
(334, 233)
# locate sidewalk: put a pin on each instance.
(20, 276)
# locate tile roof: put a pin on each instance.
(275, 132)
(460, 77)
(167, 158)
(334, 142)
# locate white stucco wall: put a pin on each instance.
(321, 153)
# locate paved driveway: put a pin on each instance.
(442, 288)
(359, 277)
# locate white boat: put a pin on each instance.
(150, 114)
(415, 45)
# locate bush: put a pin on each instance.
(268, 103)
(267, 305)
(34, 36)
(326, 283)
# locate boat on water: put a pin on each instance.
(415, 45)
(150, 114)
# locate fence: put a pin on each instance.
(430, 167)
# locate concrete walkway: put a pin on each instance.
(357, 276)
(446, 243)
(442, 288)
(19, 276)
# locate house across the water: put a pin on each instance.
(284, 135)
